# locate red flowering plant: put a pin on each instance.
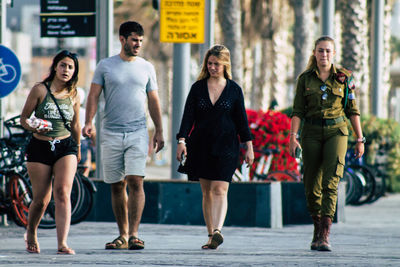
(271, 131)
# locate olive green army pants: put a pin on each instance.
(324, 151)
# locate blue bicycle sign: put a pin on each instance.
(10, 71)
(7, 72)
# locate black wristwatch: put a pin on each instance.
(361, 140)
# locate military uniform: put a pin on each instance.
(324, 134)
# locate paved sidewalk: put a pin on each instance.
(369, 237)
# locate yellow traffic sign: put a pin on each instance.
(182, 21)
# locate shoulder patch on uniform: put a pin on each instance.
(340, 77)
(344, 71)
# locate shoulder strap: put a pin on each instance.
(58, 107)
(346, 92)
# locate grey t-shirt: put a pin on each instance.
(125, 84)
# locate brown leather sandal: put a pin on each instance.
(135, 243)
(216, 240)
(205, 246)
(118, 243)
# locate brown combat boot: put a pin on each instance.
(317, 231)
(326, 223)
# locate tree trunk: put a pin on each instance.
(302, 33)
(355, 50)
(281, 55)
(386, 57)
(255, 101)
(229, 19)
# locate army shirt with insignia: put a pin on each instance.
(324, 100)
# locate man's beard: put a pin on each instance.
(128, 51)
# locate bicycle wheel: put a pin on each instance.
(367, 179)
(48, 220)
(380, 186)
(86, 203)
(348, 179)
(21, 198)
(282, 176)
(353, 186)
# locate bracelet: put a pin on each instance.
(78, 144)
(293, 133)
(182, 142)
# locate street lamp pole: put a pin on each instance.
(3, 218)
(104, 35)
(328, 17)
(2, 38)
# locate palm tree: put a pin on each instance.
(230, 20)
(387, 55)
(260, 31)
(355, 50)
(301, 34)
(281, 53)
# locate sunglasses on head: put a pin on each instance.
(69, 54)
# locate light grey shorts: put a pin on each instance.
(123, 154)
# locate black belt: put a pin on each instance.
(324, 122)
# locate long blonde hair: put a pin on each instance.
(224, 57)
(312, 61)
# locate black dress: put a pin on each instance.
(212, 131)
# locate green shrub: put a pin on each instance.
(383, 135)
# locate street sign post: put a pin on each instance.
(63, 25)
(182, 21)
(67, 18)
(10, 71)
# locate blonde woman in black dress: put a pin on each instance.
(213, 124)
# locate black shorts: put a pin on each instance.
(48, 152)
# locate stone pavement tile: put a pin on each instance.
(370, 237)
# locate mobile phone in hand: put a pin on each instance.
(297, 152)
(183, 159)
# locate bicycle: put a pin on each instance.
(262, 171)
(15, 191)
(380, 174)
(360, 179)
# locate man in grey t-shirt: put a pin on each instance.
(126, 81)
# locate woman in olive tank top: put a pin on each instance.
(53, 152)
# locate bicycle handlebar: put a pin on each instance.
(264, 151)
(267, 151)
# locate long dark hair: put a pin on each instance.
(312, 61)
(71, 84)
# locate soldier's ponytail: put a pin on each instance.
(312, 63)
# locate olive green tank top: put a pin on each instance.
(47, 110)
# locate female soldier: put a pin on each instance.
(53, 152)
(324, 96)
(213, 118)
